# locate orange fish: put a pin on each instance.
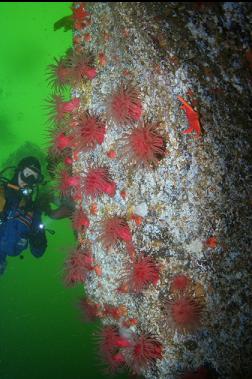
(192, 117)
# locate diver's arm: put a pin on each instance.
(61, 212)
(65, 206)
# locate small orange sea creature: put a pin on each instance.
(77, 40)
(102, 59)
(93, 209)
(126, 72)
(124, 288)
(106, 36)
(211, 242)
(123, 194)
(78, 25)
(98, 270)
(192, 117)
(174, 60)
(87, 37)
(125, 32)
(111, 154)
(157, 69)
(81, 240)
(130, 322)
(138, 219)
(75, 155)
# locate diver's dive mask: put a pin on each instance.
(29, 178)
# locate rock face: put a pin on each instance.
(168, 87)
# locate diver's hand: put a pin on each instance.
(38, 239)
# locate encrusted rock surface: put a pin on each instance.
(200, 189)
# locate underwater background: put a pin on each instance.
(193, 211)
(41, 331)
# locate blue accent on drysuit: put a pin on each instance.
(18, 229)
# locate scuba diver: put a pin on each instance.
(20, 215)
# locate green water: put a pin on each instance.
(41, 334)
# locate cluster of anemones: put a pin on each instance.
(120, 348)
(83, 131)
(78, 265)
(143, 144)
(137, 352)
(71, 69)
(70, 132)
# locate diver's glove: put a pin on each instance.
(38, 239)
